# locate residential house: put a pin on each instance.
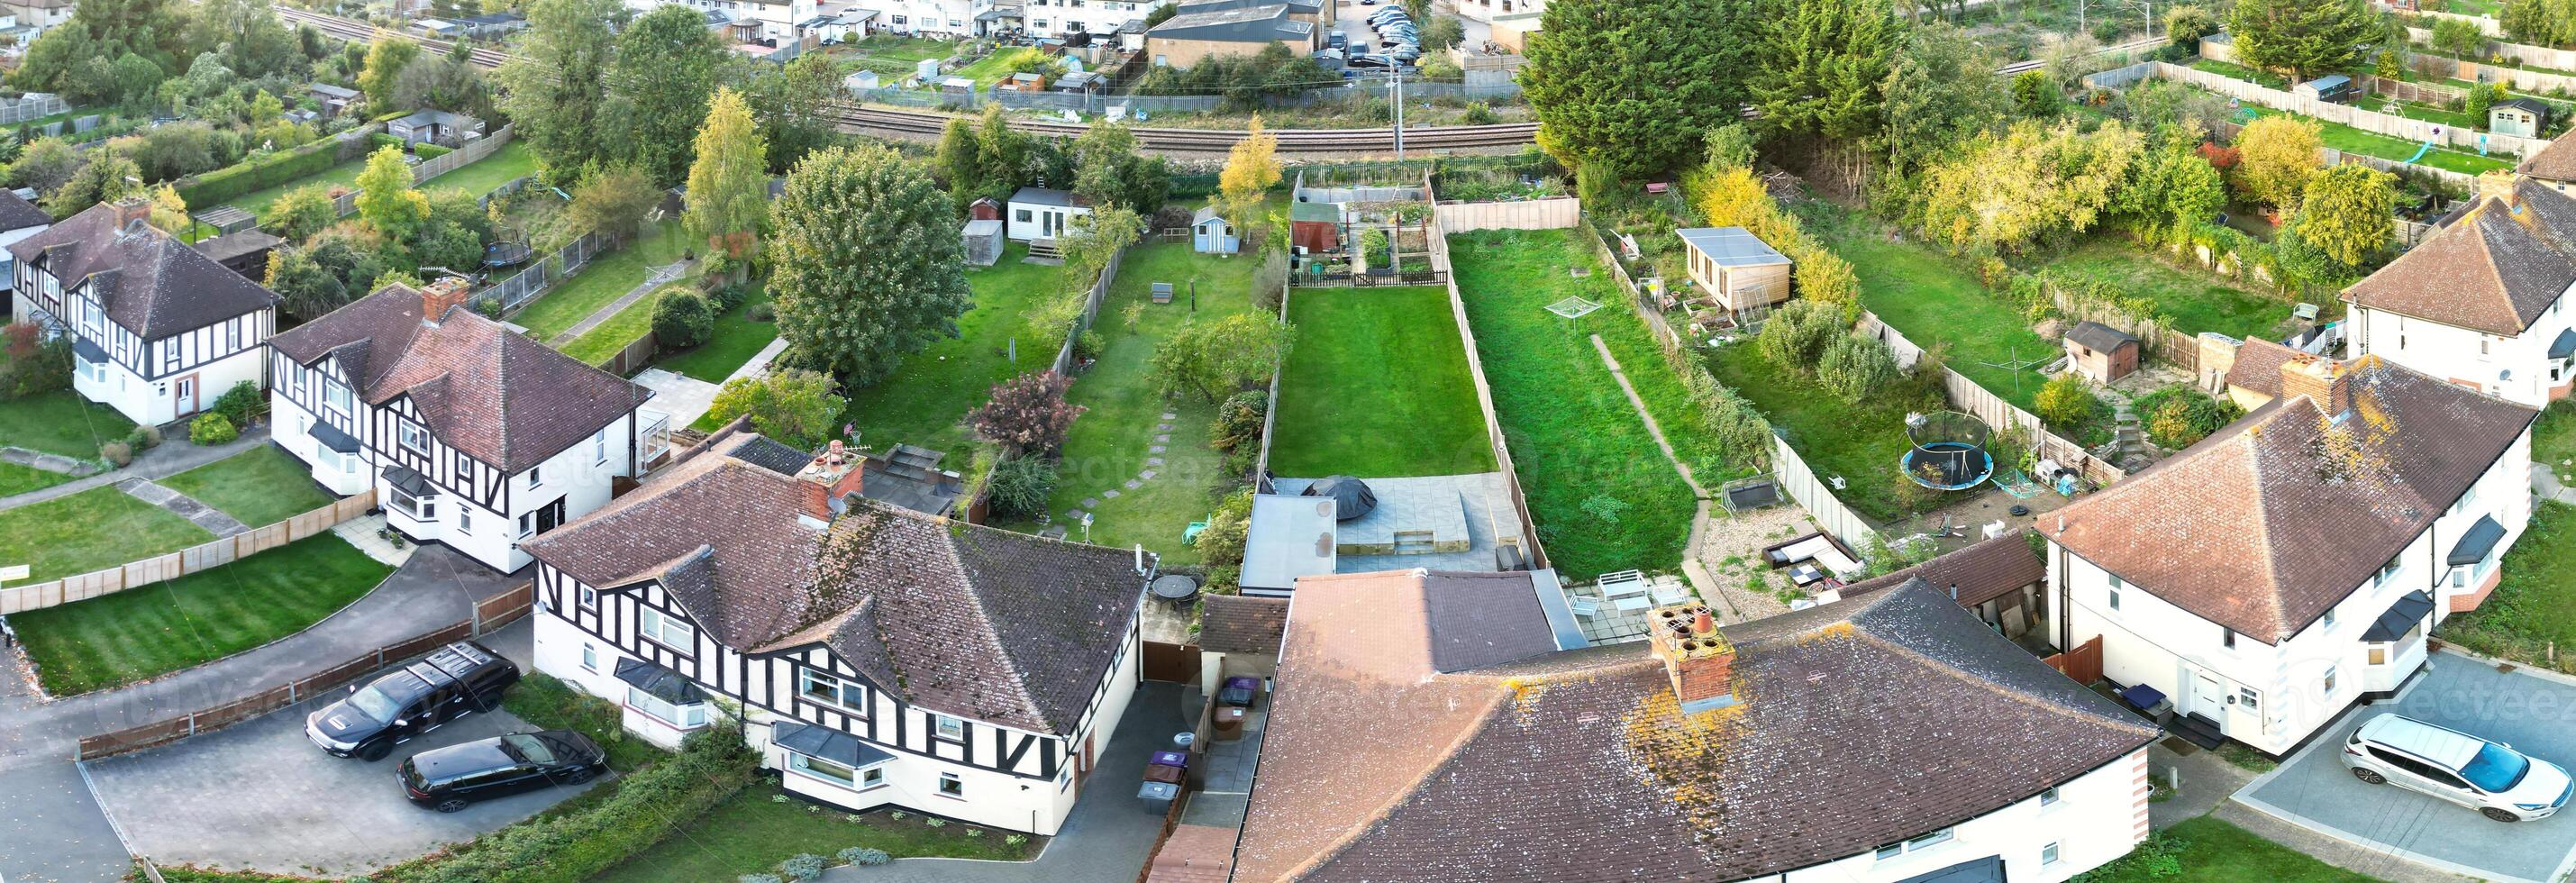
(42, 15)
(1184, 39)
(753, 19)
(1064, 18)
(2553, 166)
(2099, 352)
(837, 23)
(1736, 268)
(2483, 302)
(19, 219)
(471, 434)
(1439, 728)
(877, 656)
(2291, 564)
(1038, 213)
(158, 330)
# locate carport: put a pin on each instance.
(2530, 712)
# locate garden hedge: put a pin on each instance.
(648, 805)
(222, 185)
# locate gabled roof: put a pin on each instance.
(2266, 524)
(1982, 572)
(151, 283)
(1581, 765)
(16, 213)
(2494, 270)
(499, 397)
(971, 621)
(1241, 624)
(2099, 337)
(2556, 162)
(2258, 366)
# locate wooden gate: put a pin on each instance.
(1177, 663)
(2083, 664)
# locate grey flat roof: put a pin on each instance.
(1044, 196)
(1251, 24)
(1291, 536)
(1731, 246)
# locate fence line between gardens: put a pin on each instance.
(525, 285)
(2488, 26)
(1090, 313)
(347, 203)
(2226, 131)
(204, 556)
(1270, 412)
(1531, 214)
(31, 106)
(1536, 552)
(2346, 114)
(1972, 398)
(488, 615)
(1099, 103)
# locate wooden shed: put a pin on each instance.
(1736, 267)
(2519, 116)
(1211, 234)
(1315, 226)
(2100, 352)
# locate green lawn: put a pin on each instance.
(2241, 72)
(2418, 110)
(1933, 301)
(510, 162)
(601, 282)
(751, 832)
(1002, 63)
(1377, 386)
(1576, 441)
(95, 529)
(260, 486)
(2197, 301)
(2214, 851)
(2351, 140)
(164, 627)
(547, 703)
(16, 479)
(2535, 604)
(922, 402)
(256, 202)
(622, 328)
(736, 339)
(1112, 442)
(60, 422)
(1865, 444)
(2553, 440)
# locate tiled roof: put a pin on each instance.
(2556, 162)
(2269, 522)
(964, 620)
(2258, 366)
(1194, 854)
(1580, 765)
(499, 397)
(150, 282)
(1239, 624)
(2099, 337)
(16, 213)
(1974, 575)
(2494, 270)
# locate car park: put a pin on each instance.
(450, 779)
(1372, 60)
(398, 705)
(2490, 777)
(1337, 40)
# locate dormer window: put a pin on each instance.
(949, 727)
(337, 397)
(411, 437)
(817, 686)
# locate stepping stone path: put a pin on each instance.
(47, 462)
(1162, 438)
(212, 519)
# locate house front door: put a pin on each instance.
(2208, 697)
(183, 396)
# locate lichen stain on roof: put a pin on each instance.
(1681, 754)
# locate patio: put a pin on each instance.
(1613, 610)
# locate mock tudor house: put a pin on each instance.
(2292, 563)
(472, 435)
(2482, 302)
(1436, 727)
(158, 330)
(19, 219)
(876, 656)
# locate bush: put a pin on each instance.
(1796, 335)
(761, 312)
(212, 429)
(32, 365)
(1479, 114)
(117, 453)
(243, 404)
(1027, 414)
(1854, 367)
(1021, 486)
(1238, 420)
(1221, 544)
(1087, 346)
(682, 319)
(234, 180)
(2179, 417)
(428, 152)
(2065, 401)
(143, 438)
(865, 856)
(802, 866)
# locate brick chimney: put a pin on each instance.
(1696, 655)
(2322, 380)
(829, 479)
(130, 211)
(438, 297)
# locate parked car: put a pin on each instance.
(1405, 54)
(2490, 777)
(1382, 17)
(398, 705)
(1337, 40)
(451, 778)
(1372, 60)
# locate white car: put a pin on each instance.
(2490, 777)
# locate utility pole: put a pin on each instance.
(1395, 83)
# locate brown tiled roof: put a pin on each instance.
(497, 396)
(1194, 854)
(2269, 522)
(2100, 337)
(151, 283)
(1981, 572)
(965, 620)
(2556, 162)
(16, 213)
(1580, 765)
(2258, 366)
(2494, 270)
(1237, 624)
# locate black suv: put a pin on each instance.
(451, 682)
(447, 779)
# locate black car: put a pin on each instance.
(447, 779)
(451, 682)
(1372, 61)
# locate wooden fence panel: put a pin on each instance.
(1529, 214)
(1818, 498)
(1536, 551)
(1176, 663)
(2350, 115)
(2083, 664)
(194, 559)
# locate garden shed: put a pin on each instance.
(1040, 213)
(2520, 116)
(2331, 87)
(860, 81)
(1210, 234)
(983, 242)
(2100, 352)
(1315, 226)
(1736, 267)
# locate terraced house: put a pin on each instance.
(2482, 302)
(158, 330)
(876, 656)
(471, 435)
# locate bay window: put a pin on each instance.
(685, 717)
(418, 507)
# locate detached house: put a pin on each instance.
(876, 656)
(158, 330)
(472, 435)
(2483, 302)
(1429, 727)
(2291, 564)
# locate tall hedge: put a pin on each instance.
(222, 185)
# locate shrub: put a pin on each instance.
(802, 866)
(1027, 414)
(117, 453)
(1021, 486)
(865, 856)
(212, 429)
(2065, 401)
(1855, 367)
(243, 404)
(143, 438)
(1088, 345)
(761, 312)
(1270, 279)
(797, 407)
(225, 183)
(1479, 114)
(682, 319)
(1133, 316)
(32, 365)
(1221, 544)
(2159, 858)
(1238, 420)
(2179, 417)
(1797, 334)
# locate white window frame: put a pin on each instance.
(536, 476)
(866, 778)
(411, 437)
(421, 508)
(2050, 797)
(2049, 853)
(599, 446)
(839, 696)
(336, 396)
(948, 726)
(589, 598)
(952, 786)
(666, 630)
(589, 656)
(464, 520)
(693, 716)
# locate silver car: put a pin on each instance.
(2490, 777)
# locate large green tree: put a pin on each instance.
(551, 84)
(2348, 212)
(2303, 37)
(1941, 91)
(666, 68)
(793, 104)
(386, 200)
(869, 266)
(247, 34)
(104, 30)
(387, 55)
(1108, 170)
(1629, 85)
(729, 181)
(1823, 66)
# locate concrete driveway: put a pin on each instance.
(2533, 713)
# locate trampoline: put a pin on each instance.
(1949, 451)
(505, 254)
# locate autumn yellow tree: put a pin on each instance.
(2006, 192)
(729, 181)
(1251, 169)
(169, 212)
(2275, 157)
(386, 200)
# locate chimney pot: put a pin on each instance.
(1697, 657)
(437, 298)
(833, 476)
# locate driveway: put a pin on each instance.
(2533, 713)
(1108, 836)
(193, 802)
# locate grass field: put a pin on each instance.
(620, 329)
(2534, 606)
(2214, 851)
(260, 486)
(2553, 440)
(1002, 63)
(60, 422)
(1932, 301)
(256, 202)
(2241, 72)
(16, 479)
(736, 339)
(139, 633)
(1865, 444)
(751, 832)
(510, 162)
(2351, 140)
(2197, 301)
(601, 282)
(1112, 442)
(1377, 386)
(924, 400)
(92, 530)
(1576, 441)
(2417, 110)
